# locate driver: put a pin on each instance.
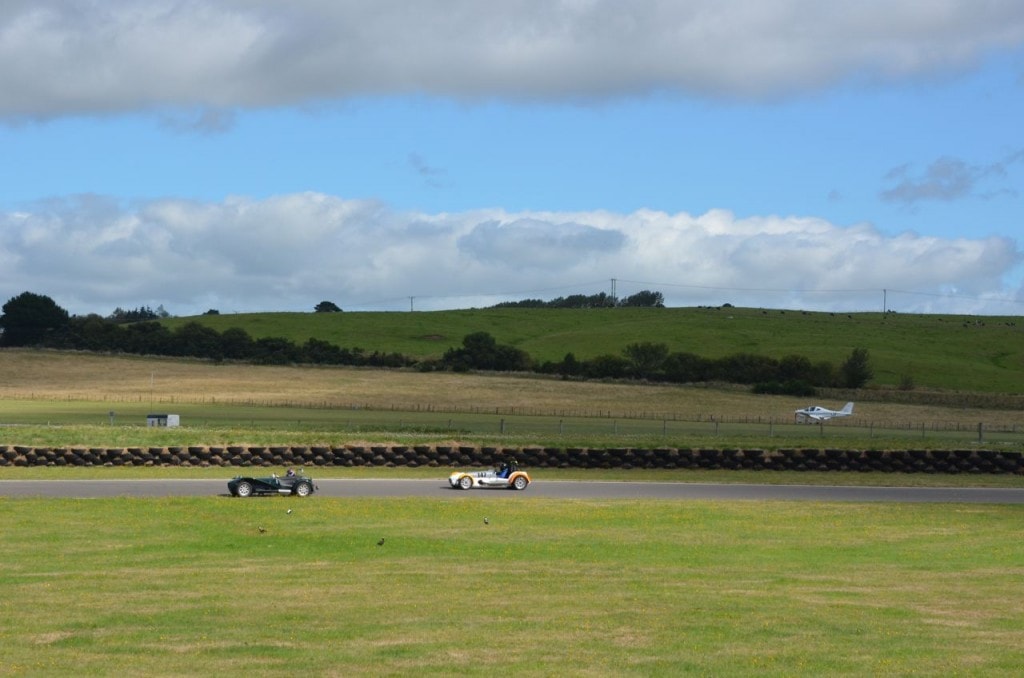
(291, 473)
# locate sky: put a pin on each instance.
(257, 155)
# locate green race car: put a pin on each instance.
(297, 484)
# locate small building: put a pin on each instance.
(163, 420)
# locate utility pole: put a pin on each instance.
(410, 304)
(613, 289)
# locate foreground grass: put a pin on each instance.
(192, 587)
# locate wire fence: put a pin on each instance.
(556, 428)
(554, 424)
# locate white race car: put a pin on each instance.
(507, 475)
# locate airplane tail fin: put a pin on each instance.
(847, 409)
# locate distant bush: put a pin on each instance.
(607, 367)
(480, 351)
(856, 370)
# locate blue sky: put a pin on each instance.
(260, 156)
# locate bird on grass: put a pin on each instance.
(261, 529)
(486, 522)
(289, 511)
(381, 542)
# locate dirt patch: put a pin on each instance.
(52, 637)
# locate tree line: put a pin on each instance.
(642, 299)
(36, 320)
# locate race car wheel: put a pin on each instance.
(520, 483)
(465, 482)
(244, 489)
(303, 489)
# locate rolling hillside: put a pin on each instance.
(963, 353)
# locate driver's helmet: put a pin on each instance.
(291, 472)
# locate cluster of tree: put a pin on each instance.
(793, 375)
(480, 351)
(643, 299)
(194, 340)
(31, 319)
(35, 320)
(137, 314)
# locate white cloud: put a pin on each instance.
(67, 57)
(537, 244)
(292, 251)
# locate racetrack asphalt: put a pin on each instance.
(556, 489)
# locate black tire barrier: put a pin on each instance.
(980, 461)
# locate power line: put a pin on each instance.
(752, 289)
(402, 300)
(884, 293)
(866, 290)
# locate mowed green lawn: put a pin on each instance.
(190, 586)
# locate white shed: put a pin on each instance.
(168, 420)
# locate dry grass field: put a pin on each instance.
(64, 376)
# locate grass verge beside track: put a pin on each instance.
(191, 586)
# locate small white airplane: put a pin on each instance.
(809, 415)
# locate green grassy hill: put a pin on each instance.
(966, 353)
